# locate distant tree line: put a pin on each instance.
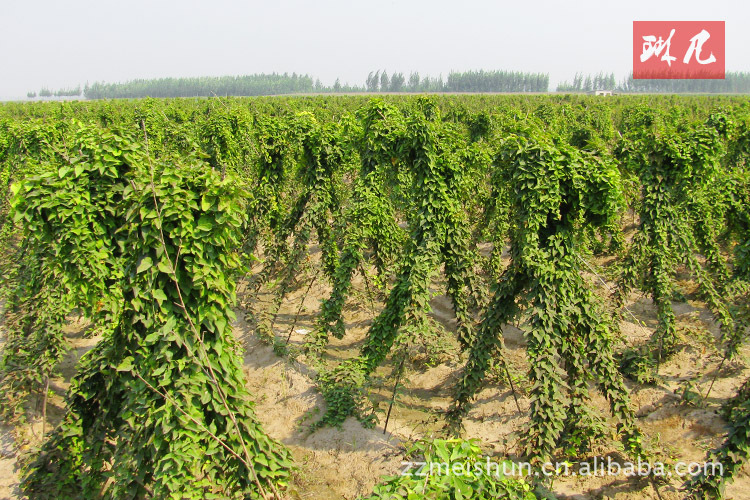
(275, 84)
(497, 81)
(45, 92)
(248, 85)
(468, 81)
(735, 82)
(589, 83)
(380, 81)
(71, 92)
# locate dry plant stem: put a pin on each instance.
(44, 407)
(609, 289)
(512, 386)
(661, 352)
(393, 396)
(202, 349)
(367, 285)
(716, 375)
(301, 305)
(656, 488)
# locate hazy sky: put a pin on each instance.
(63, 43)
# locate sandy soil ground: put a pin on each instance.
(679, 428)
(345, 463)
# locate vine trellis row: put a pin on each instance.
(144, 217)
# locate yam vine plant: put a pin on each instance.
(555, 192)
(733, 453)
(33, 321)
(23, 144)
(737, 164)
(323, 156)
(170, 133)
(370, 219)
(431, 153)
(681, 210)
(432, 478)
(739, 223)
(66, 213)
(138, 225)
(224, 135)
(588, 127)
(158, 407)
(267, 206)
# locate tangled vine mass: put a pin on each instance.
(145, 218)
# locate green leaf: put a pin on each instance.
(144, 265)
(206, 203)
(165, 266)
(160, 296)
(221, 324)
(205, 223)
(126, 365)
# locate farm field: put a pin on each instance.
(289, 297)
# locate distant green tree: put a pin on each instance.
(413, 81)
(493, 81)
(588, 85)
(373, 81)
(397, 82)
(733, 82)
(248, 85)
(385, 82)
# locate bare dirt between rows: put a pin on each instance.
(345, 463)
(679, 429)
